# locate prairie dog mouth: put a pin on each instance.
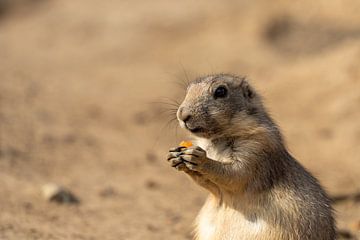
(196, 129)
(190, 127)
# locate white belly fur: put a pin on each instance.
(224, 223)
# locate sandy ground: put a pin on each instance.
(80, 86)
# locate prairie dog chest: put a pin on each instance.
(220, 152)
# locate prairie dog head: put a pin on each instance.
(220, 105)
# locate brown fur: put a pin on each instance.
(257, 189)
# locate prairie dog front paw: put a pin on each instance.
(193, 158)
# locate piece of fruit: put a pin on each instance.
(186, 144)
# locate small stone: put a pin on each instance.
(141, 118)
(108, 192)
(152, 228)
(70, 139)
(151, 157)
(150, 184)
(326, 133)
(55, 193)
(27, 206)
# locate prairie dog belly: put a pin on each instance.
(225, 223)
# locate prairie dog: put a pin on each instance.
(257, 189)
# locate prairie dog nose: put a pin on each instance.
(183, 114)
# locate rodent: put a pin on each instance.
(257, 189)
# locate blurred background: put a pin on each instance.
(84, 87)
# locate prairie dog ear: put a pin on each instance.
(247, 91)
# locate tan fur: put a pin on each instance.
(257, 189)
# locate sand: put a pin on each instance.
(84, 86)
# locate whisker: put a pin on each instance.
(166, 103)
(167, 107)
(176, 131)
(185, 74)
(168, 111)
(172, 100)
(169, 123)
(179, 80)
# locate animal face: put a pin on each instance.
(213, 104)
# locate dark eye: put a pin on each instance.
(220, 92)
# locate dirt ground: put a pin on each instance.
(84, 84)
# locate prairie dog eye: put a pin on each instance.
(220, 92)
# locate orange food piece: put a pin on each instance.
(186, 144)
